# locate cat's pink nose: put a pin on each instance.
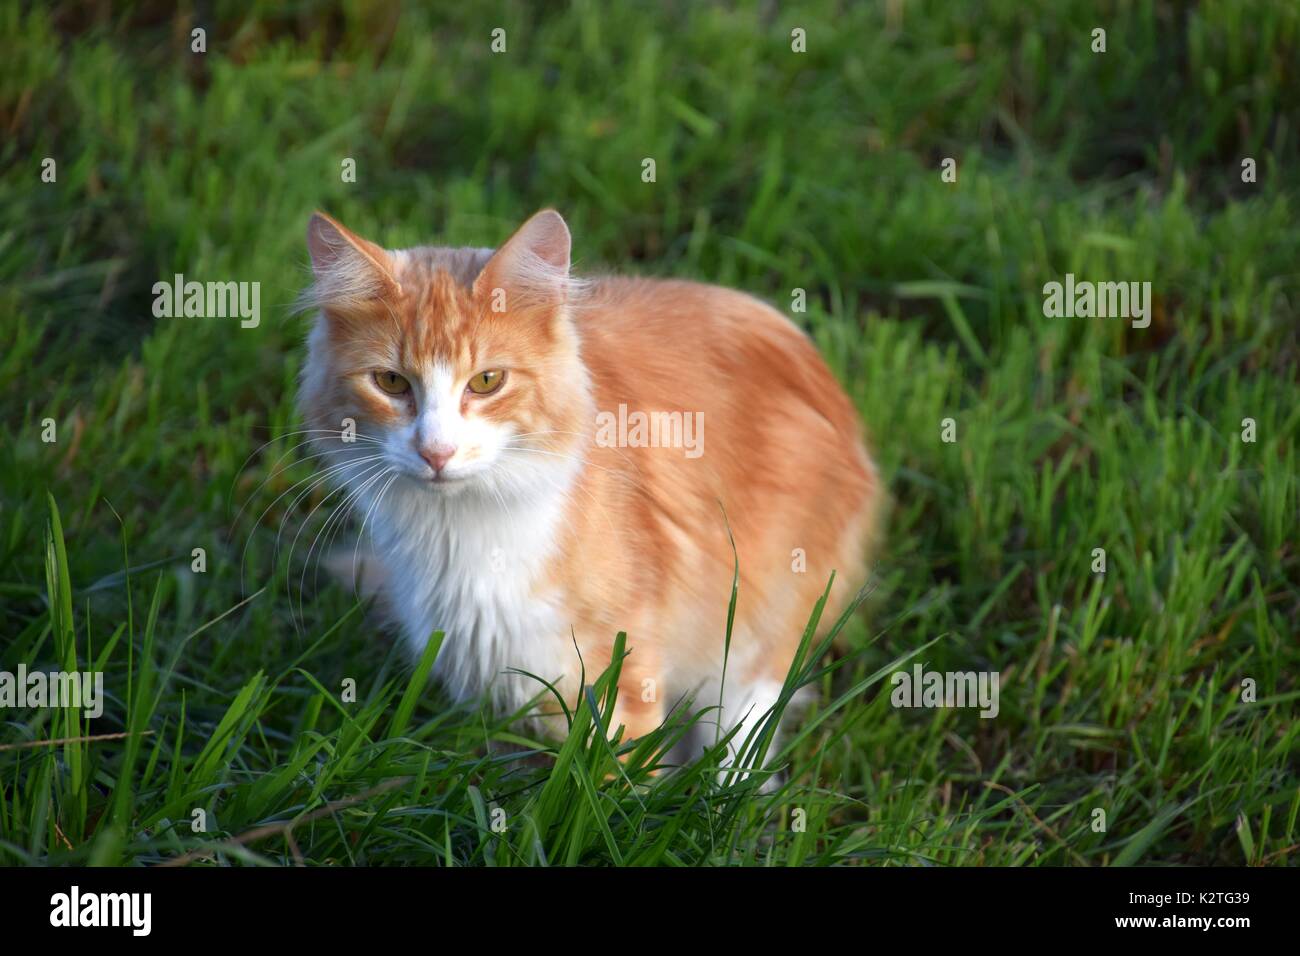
(437, 456)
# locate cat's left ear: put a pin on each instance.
(532, 268)
(351, 272)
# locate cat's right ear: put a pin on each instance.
(351, 272)
(532, 266)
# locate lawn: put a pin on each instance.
(255, 712)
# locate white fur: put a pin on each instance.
(470, 567)
(745, 706)
(466, 559)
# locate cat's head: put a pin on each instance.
(459, 367)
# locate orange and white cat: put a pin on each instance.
(543, 462)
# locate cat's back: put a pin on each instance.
(677, 314)
(670, 343)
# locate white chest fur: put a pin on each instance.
(469, 564)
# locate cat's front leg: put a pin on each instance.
(639, 708)
(357, 569)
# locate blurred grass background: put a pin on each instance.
(775, 171)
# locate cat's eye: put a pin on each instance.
(485, 383)
(392, 383)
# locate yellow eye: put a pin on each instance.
(485, 383)
(392, 383)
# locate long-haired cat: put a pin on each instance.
(543, 462)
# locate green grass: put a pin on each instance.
(1120, 691)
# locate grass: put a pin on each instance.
(1121, 691)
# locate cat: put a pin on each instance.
(515, 498)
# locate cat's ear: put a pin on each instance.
(532, 268)
(350, 272)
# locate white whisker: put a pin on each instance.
(361, 533)
(316, 479)
(367, 476)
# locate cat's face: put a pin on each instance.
(460, 368)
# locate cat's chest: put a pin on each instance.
(477, 576)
